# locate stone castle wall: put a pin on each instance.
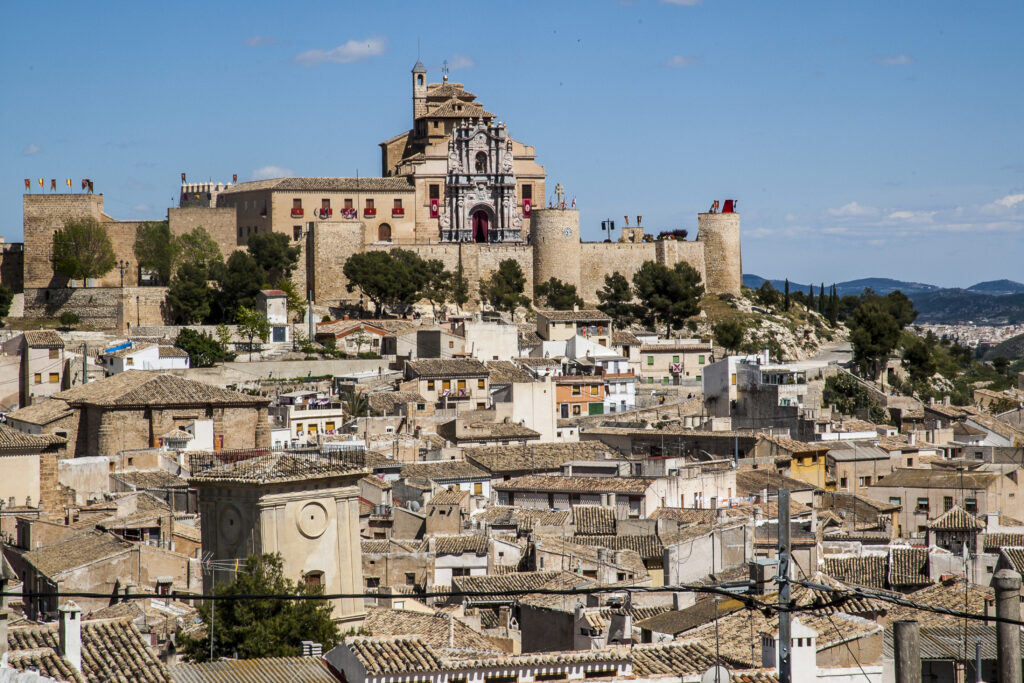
(12, 266)
(44, 214)
(100, 307)
(220, 223)
(555, 238)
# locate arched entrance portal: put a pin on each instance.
(384, 232)
(480, 221)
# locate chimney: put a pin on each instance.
(70, 632)
(912, 438)
(945, 400)
(312, 649)
(504, 616)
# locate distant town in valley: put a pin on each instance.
(412, 427)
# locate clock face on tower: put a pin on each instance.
(567, 231)
(230, 524)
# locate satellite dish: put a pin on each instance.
(414, 505)
(716, 674)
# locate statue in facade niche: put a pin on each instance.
(454, 165)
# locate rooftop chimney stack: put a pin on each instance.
(70, 632)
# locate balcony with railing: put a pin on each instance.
(297, 212)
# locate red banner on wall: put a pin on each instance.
(527, 206)
(435, 208)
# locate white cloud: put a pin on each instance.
(682, 3)
(461, 62)
(352, 51)
(31, 149)
(271, 171)
(261, 41)
(682, 61)
(895, 60)
(853, 209)
(1010, 200)
(912, 216)
(141, 208)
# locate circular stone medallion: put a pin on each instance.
(312, 520)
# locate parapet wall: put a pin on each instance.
(44, 214)
(220, 223)
(100, 308)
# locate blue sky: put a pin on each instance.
(860, 138)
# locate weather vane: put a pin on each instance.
(444, 69)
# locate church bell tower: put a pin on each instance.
(419, 90)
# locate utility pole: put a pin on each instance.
(907, 648)
(782, 580)
(1007, 586)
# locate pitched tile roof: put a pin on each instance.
(441, 632)
(582, 314)
(870, 571)
(513, 581)
(624, 337)
(370, 184)
(648, 546)
(507, 372)
(143, 388)
(458, 430)
(43, 339)
(952, 594)
(380, 656)
(449, 497)
(955, 519)
(1015, 556)
(936, 479)
(262, 670)
(386, 401)
(672, 659)
(593, 520)
(540, 482)
(794, 446)
(76, 550)
(458, 545)
(44, 661)
(376, 482)
(168, 351)
(384, 547)
(993, 542)
(447, 367)
(112, 650)
(536, 457)
(443, 471)
(275, 468)
(146, 479)
(13, 438)
(754, 481)
(42, 412)
(525, 518)
(908, 567)
(674, 622)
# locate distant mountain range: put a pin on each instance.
(995, 302)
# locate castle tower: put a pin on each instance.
(419, 90)
(720, 234)
(555, 236)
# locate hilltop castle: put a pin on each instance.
(455, 187)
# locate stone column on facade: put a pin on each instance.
(262, 434)
(106, 437)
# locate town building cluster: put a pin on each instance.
(481, 498)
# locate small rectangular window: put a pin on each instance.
(296, 232)
(527, 191)
(369, 203)
(430, 385)
(54, 378)
(325, 204)
(595, 390)
(446, 384)
(700, 359)
(576, 391)
(650, 360)
(398, 203)
(922, 504)
(410, 579)
(54, 353)
(479, 384)
(296, 203)
(462, 384)
(435, 191)
(37, 378)
(675, 359)
(478, 488)
(971, 505)
(947, 503)
(733, 379)
(576, 410)
(895, 500)
(348, 204)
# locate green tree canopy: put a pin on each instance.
(255, 627)
(504, 289)
(874, 333)
(918, 358)
(389, 279)
(6, 297)
(203, 350)
(82, 249)
(252, 325)
(199, 249)
(275, 254)
(240, 280)
(729, 334)
(558, 295)
(156, 249)
(616, 299)
(768, 296)
(437, 288)
(458, 289)
(670, 295)
(189, 294)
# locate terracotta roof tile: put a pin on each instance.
(437, 631)
(43, 339)
(447, 367)
(381, 656)
(141, 388)
(955, 519)
(540, 482)
(536, 457)
(312, 184)
(261, 670)
(593, 520)
(77, 550)
(276, 468)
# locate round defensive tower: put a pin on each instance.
(720, 234)
(555, 236)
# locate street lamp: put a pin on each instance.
(607, 225)
(122, 265)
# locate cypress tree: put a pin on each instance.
(810, 299)
(821, 299)
(787, 294)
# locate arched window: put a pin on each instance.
(419, 79)
(314, 579)
(384, 232)
(481, 162)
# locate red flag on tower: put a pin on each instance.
(85, 183)
(90, 187)
(182, 177)
(53, 184)
(234, 177)
(574, 202)
(627, 220)
(28, 184)
(41, 184)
